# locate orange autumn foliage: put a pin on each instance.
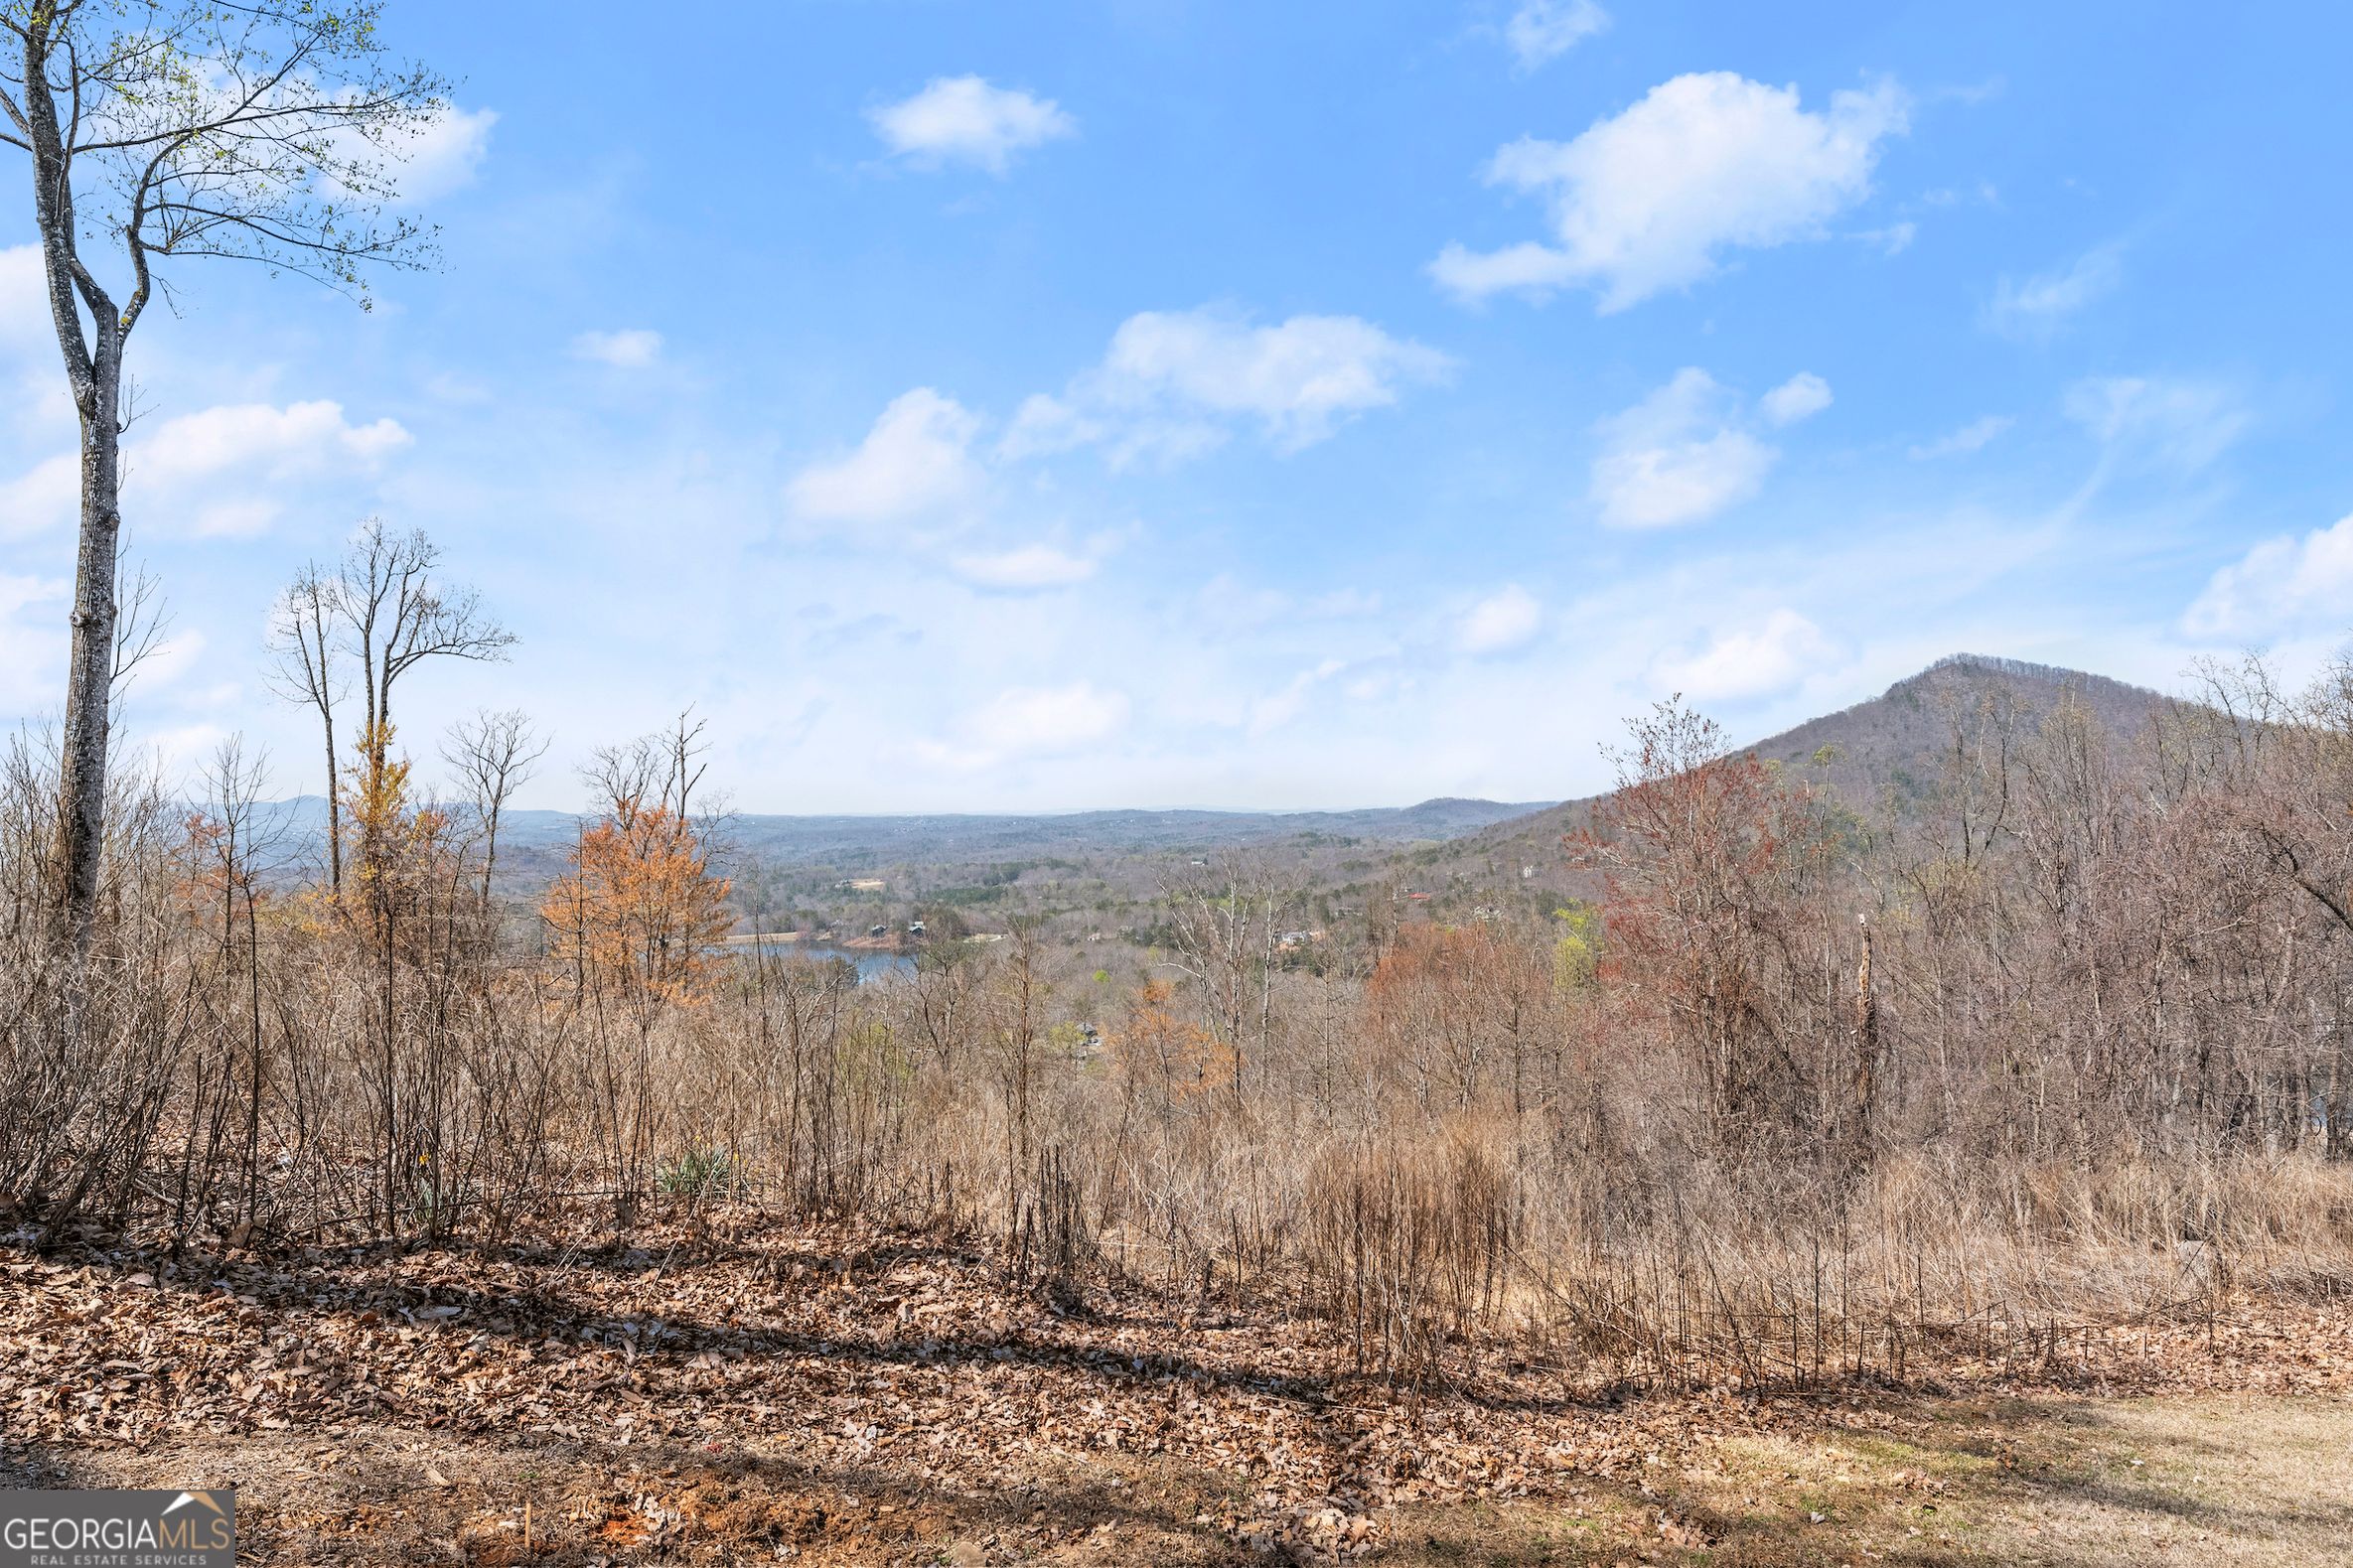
(641, 908)
(1176, 1056)
(398, 846)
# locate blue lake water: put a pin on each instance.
(868, 963)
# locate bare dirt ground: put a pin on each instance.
(793, 1395)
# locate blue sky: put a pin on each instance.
(1146, 403)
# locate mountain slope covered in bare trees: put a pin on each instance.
(1878, 756)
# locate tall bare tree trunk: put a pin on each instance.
(89, 680)
(334, 807)
(95, 373)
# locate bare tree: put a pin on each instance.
(140, 621)
(305, 634)
(382, 607)
(493, 755)
(257, 130)
(397, 616)
(1224, 917)
(662, 770)
(230, 841)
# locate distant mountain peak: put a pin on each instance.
(1883, 750)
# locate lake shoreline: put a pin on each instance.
(804, 939)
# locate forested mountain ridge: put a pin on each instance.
(945, 847)
(1880, 753)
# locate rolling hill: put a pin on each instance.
(1885, 747)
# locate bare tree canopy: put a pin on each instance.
(257, 130)
(493, 755)
(303, 634)
(383, 608)
(400, 615)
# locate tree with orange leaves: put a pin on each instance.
(1174, 1056)
(1459, 1009)
(642, 908)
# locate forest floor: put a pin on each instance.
(821, 1395)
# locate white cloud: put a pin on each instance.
(171, 660)
(1893, 240)
(425, 163)
(629, 348)
(260, 441)
(1544, 30)
(1300, 379)
(1029, 567)
(1041, 721)
(1677, 457)
(1706, 161)
(1171, 378)
(916, 461)
(1046, 425)
(46, 498)
(963, 120)
(2279, 586)
(1271, 712)
(2159, 422)
(220, 472)
(446, 154)
(2037, 307)
(1503, 619)
(1969, 438)
(182, 751)
(1752, 663)
(31, 641)
(1801, 398)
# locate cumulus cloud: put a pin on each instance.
(1750, 662)
(1648, 200)
(2280, 585)
(204, 462)
(1503, 620)
(1172, 381)
(962, 119)
(2160, 422)
(1801, 398)
(199, 472)
(1028, 568)
(220, 472)
(915, 463)
(1679, 456)
(1540, 30)
(1958, 443)
(628, 348)
(258, 439)
(2036, 307)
